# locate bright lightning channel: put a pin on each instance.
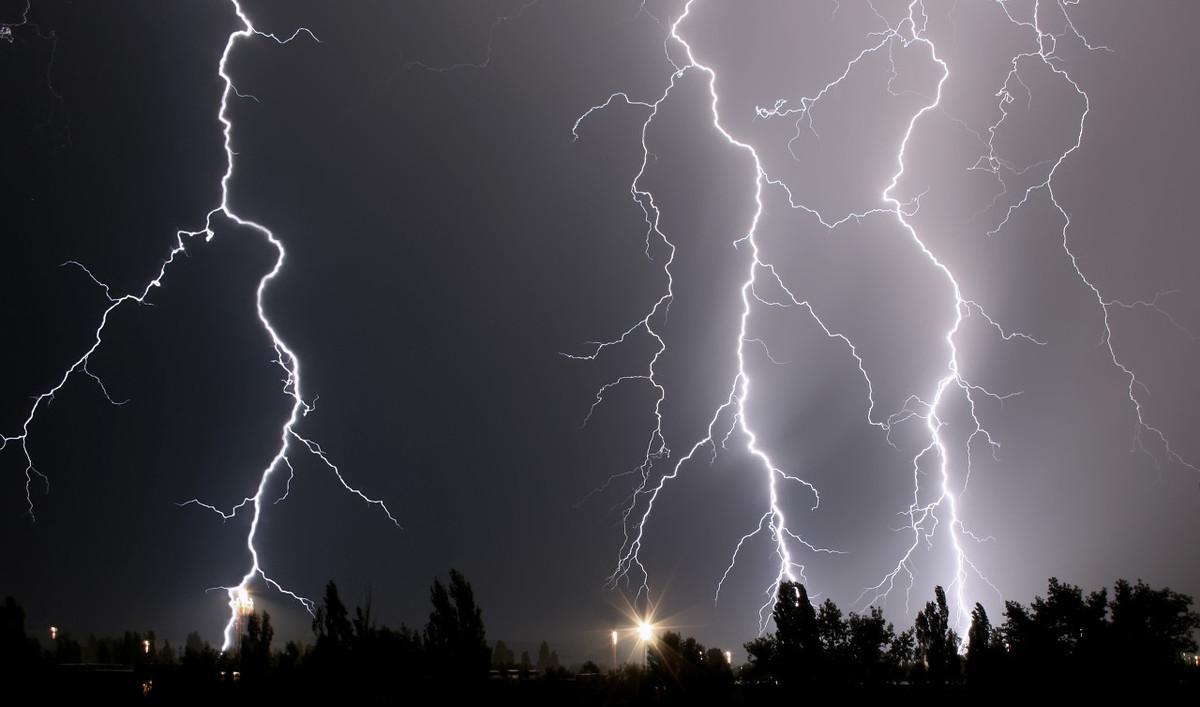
(285, 357)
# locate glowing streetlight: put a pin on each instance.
(645, 631)
(146, 646)
(615, 638)
(645, 634)
(729, 657)
(53, 633)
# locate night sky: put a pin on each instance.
(448, 239)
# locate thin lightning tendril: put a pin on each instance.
(486, 61)
(1046, 55)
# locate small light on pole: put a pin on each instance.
(53, 633)
(729, 657)
(146, 646)
(615, 638)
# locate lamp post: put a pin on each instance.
(614, 649)
(645, 633)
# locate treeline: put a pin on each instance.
(351, 657)
(1139, 636)
(504, 659)
(1067, 640)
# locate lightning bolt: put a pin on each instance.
(636, 515)
(290, 438)
(923, 518)
(933, 509)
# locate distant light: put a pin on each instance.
(53, 633)
(729, 657)
(614, 637)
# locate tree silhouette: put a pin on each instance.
(1058, 636)
(834, 636)
(199, 664)
(546, 658)
(869, 639)
(255, 655)
(331, 623)
(1151, 629)
(166, 654)
(502, 656)
(1066, 636)
(901, 654)
(684, 668)
(454, 635)
(68, 650)
(18, 652)
(763, 659)
(798, 649)
(937, 643)
(984, 648)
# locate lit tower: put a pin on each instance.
(243, 605)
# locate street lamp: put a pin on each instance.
(645, 634)
(53, 633)
(645, 631)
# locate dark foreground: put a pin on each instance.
(1072, 645)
